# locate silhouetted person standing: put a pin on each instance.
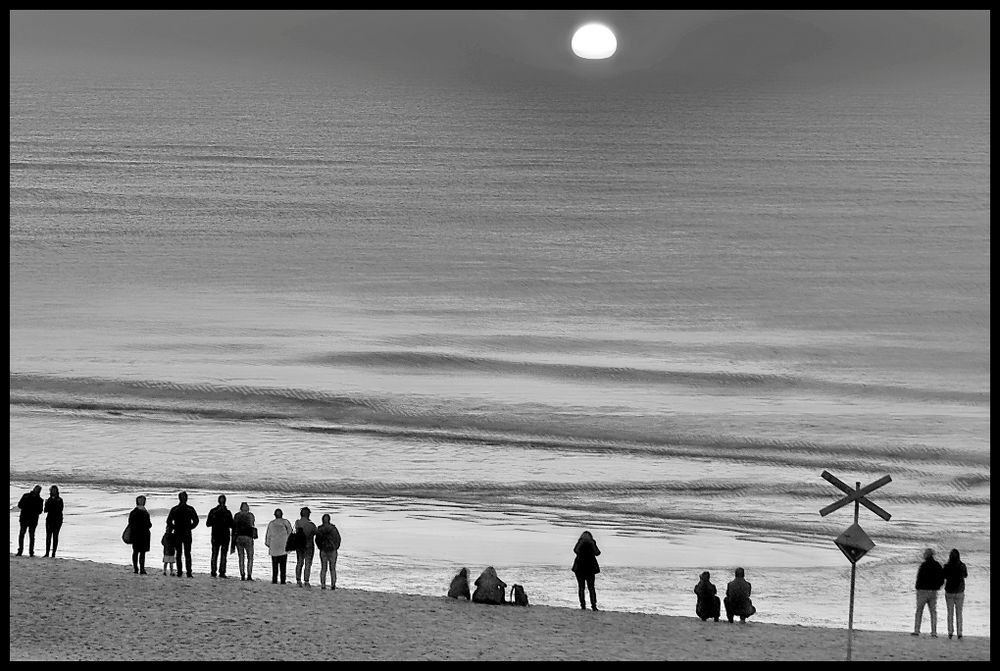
(930, 577)
(955, 574)
(244, 533)
(139, 526)
(31, 506)
(181, 520)
(221, 520)
(304, 555)
(328, 544)
(708, 605)
(929, 580)
(737, 599)
(586, 568)
(278, 531)
(53, 521)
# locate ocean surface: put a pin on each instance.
(471, 324)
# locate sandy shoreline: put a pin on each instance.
(64, 610)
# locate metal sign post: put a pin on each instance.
(854, 542)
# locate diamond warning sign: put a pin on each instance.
(854, 543)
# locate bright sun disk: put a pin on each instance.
(594, 41)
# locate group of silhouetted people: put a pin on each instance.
(236, 534)
(31, 508)
(491, 589)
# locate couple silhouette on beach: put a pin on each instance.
(931, 577)
(31, 508)
(737, 600)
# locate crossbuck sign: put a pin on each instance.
(854, 542)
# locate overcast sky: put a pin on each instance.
(512, 47)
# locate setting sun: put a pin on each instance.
(594, 41)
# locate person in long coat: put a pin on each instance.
(277, 534)
(139, 526)
(586, 568)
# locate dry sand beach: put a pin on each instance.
(67, 610)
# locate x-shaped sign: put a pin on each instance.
(855, 495)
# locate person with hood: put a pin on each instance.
(304, 554)
(221, 520)
(737, 600)
(278, 531)
(459, 588)
(244, 533)
(955, 574)
(31, 506)
(489, 587)
(328, 543)
(708, 605)
(139, 536)
(930, 577)
(181, 520)
(53, 520)
(586, 568)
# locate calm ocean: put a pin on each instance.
(470, 325)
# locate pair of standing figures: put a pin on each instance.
(931, 577)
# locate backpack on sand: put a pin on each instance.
(518, 597)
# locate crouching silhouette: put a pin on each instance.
(459, 588)
(737, 599)
(708, 605)
(489, 588)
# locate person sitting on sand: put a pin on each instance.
(708, 605)
(737, 599)
(586, 568)
(489, 587)
(459, 588)
(278, 531)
